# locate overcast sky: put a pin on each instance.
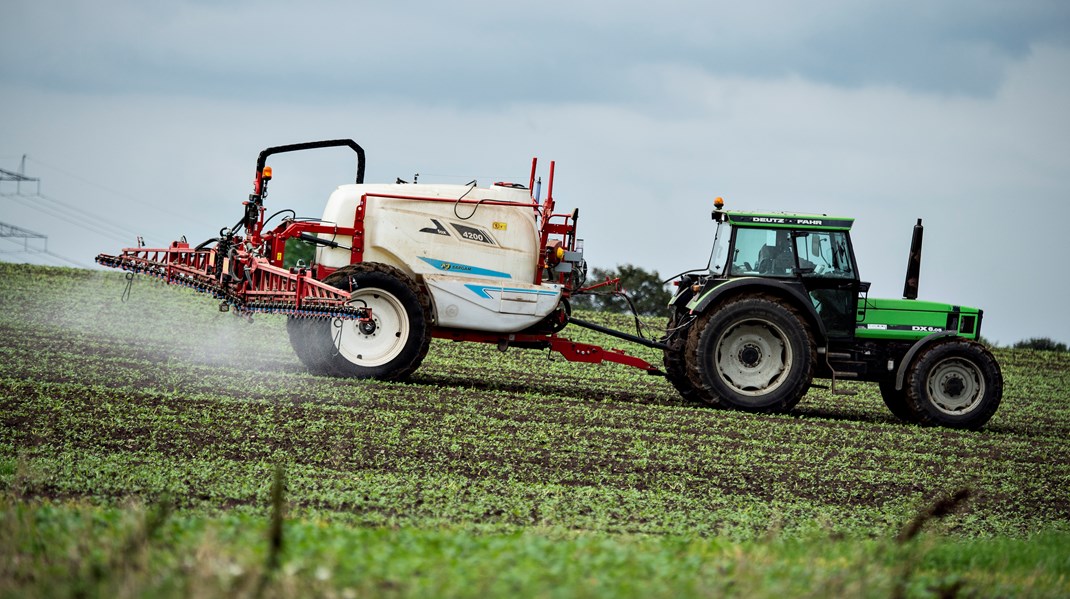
(146, 118)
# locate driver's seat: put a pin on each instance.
(774, 259)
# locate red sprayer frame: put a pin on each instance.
(242, 281)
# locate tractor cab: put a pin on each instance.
(810, 253)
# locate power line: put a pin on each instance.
(7, 232)
(116, 192)
(86, 220)
(92, 224)
(89, 215)
(19, 177)
(82, 179)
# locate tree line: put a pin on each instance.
(644, 290)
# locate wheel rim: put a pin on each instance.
(754, 357)
(955, 386)
(376, 342)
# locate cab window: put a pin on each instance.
(826, 252)
(766, 252)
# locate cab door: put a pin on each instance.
(827, 270)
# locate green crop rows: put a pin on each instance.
(487, 472)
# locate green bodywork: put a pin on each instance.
(903, 319)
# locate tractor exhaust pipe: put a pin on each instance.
(910, 285)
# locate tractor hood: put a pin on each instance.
(914, 319)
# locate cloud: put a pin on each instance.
(491, 53)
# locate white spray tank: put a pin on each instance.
(478, 261)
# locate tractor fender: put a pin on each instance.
(684, 292)
(919, 345)
(708, 296)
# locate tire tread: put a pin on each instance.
(695, 366)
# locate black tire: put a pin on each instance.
(896, 400)
(675, 361)
(752, 353)
(305, 338)
(391, 347)
(297, 331)
(955, 383)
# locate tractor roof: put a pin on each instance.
(783, 220)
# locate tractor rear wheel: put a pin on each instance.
(390, 346)
(752, 353)
(896, 400)
(675, 361)
(956, 384)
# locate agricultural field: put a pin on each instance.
(158, 446)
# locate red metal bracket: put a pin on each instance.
(593, 354)
(615, 282)
(571, 350)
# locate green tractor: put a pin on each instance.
(782, 304)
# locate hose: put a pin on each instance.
(471, 185)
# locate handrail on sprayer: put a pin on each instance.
(310, 145)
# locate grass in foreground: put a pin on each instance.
(73, 549)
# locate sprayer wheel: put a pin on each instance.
(297, 331)
(389, 346)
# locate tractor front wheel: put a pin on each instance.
(752, 353)
(389, 346)
(957, 384)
